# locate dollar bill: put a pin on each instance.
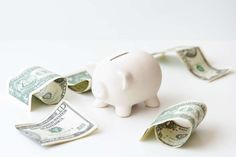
(79, 82)
(37, 83)
(175, 125)
(196, 63)
(62, 125)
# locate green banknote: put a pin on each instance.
(79, 82)
(37, 83)
(196, 63)
(175, 125)
(62, 125)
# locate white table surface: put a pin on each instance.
(215, 136)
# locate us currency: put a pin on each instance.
(62, 125)
(175, 125)
(79, 82)
(196, 63)
(37, 83)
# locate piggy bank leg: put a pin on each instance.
(100, 103)
(152, 102)
(123, 111)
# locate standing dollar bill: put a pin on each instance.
(175, 125)
(196, 62)
(62, 125)
(79, 82)
(38, 83)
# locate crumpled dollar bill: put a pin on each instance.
(79, 82)
(196, 62)
(175, 124)
(62, 125)
(37, 83)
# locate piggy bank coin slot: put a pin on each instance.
(122, 54)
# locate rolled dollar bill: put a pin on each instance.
(79, 82)
(38, 83)
(62, 125)
(175, 125)
(196, 62)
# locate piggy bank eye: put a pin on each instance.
(117, 56)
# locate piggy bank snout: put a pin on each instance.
(99, 90)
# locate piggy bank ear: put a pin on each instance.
(90, 68)
(126, 78)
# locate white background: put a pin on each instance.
(63, 36)
(118, 19)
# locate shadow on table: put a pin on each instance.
(200, 138)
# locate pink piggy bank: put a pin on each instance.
(125, 80)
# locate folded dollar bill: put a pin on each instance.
(196, 63)
(37, 83)
(79, 82)
(62, 125)
(175, 125)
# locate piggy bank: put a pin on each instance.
(125, 80)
